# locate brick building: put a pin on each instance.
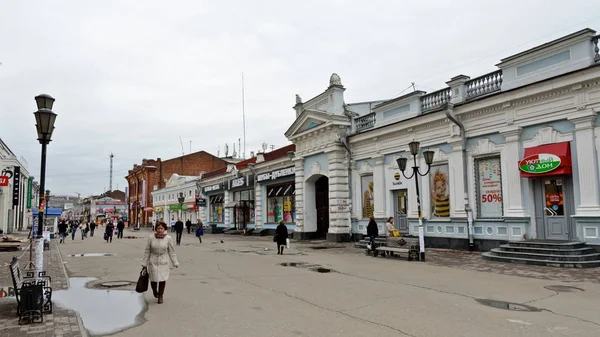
(153, 174)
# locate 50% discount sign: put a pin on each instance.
(491, 197)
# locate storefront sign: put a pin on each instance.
(490, 187)
(16, 185)
(29, 191)
(213, 188)
(539, 163)
(273, 175)
(4, 180)
(241, 182)
(394, 180)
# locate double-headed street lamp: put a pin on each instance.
(44, 118)
(181, 199)
(428, 155)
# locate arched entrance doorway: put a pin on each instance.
(322, 206)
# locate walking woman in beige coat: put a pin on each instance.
(159, 251)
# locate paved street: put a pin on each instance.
(237, 288)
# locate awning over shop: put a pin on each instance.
(546, 160)
(231, 204)
(281, 190)
(216, 199)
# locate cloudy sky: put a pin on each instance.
(132, 77)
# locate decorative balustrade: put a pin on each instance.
(435, 100)
(485, 84)
(365, 122)
(595, 41)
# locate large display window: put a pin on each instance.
(281, 203)
(216, 208)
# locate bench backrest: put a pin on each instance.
(15, 272)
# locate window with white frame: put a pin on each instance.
(489, 187)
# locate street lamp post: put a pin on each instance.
(44, 118)
(428, 155)
(181, 199)
(47, 206)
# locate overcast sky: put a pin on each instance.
(131, 77)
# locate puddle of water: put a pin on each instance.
(321, 270)
(115, 284)
(125, 308)
(92, 254)
(292, 264)
(563, 289)
(507, 305)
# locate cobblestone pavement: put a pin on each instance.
(61, 323)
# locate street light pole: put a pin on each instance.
(428, 155)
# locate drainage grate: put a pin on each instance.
(563, 289)
(92, 254)
(507, 305)
(321, 270)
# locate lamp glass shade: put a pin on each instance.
(44, 101)
(414, 148)
(428, 156)
(47, 193)
(44, 119)
(402, 163)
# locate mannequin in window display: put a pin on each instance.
(368, 201)
(439, 195)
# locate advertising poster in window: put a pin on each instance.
(440, 188)
(367, 196)
(490, 188)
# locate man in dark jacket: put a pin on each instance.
(179, 230)
(108, 232)
(62, 230)
(120, 227)
(188, 225)
(372, 231)
(92, 227)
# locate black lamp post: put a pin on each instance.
(47, 206)
(44, 118)
(428, 155)
(181, 199)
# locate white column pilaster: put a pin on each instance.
(511, 176)
(258, 205)
(586, 164)
(299, 196)
(379, 188)
(339, 214)
(457, 177)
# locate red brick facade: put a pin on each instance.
(157, 172)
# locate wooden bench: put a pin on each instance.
(412, 253)
(33, 293)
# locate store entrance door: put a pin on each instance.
(400, 210)
(553, 200)
(322, 203)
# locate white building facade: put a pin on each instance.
(166, 200)
(18, 192)
(516, 151)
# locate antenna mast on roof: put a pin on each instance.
(181, 141)
(243, 119)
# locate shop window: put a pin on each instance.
(281, 203)
(216, 208)
(440, 187)
(367, 196)
(489, 188)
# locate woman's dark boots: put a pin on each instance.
(154, 289)
(161, 291)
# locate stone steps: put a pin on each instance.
(546, 253)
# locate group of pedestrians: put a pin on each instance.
(65, 227)
(110, 229)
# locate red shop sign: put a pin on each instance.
(3, 180)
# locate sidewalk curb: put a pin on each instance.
(82, 329)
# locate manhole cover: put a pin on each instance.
(115, 284)
(292, 264)
(92, 254)
(563, 289)
(507, 305)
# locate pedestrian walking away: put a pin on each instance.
(62, 230)
(188, 225)
(73, 229)
(120, 228)
(179, 230)
(108, 233)
(281, 236)
(83, 228)
(200, 231)
(157, 255)
(92, 227)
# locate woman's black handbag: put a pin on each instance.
(142, 283)
(275, 238)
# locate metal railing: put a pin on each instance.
(435, 100)
(365, 122)
(484, 85)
